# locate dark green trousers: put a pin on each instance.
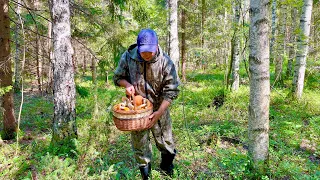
(162, 133)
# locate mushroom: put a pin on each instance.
(144, 101)
(141, 106)
(138, 100)
(122, 105)
(126, 101)
(130, 106)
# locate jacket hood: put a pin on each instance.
(133, 52)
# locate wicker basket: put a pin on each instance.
(133, 120)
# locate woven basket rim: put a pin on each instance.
(132, 125)
(149, 107)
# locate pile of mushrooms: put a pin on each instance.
(137, 103)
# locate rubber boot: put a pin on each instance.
(145, 171)
(166, 163)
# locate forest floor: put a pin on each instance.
(209, 126)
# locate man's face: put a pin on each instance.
(147, 56)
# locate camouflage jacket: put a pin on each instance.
(158, 76)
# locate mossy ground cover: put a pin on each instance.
(211, 141)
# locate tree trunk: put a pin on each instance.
(168, 31)
(94, 82)
(17, 62)
(292, 44)
(273, 29)
(224, 61)
(203, 18)
(94, 69)
(303, 40)
(258, 125)
(84, 65)
(64, 120)
(183, 44)
(174, 41)
(39, 63)
(9, 121)
(246, 13)
(38, 50)
(282, 46)
(75, 58)
(50, 53)
(107, 78)
(236, 49)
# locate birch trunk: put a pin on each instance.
(17, 62)
(39, 63)
(236, 49)
(303, 40)
(9, 121)
(292, 40)
(183, 44)
(64, 120)
(94, 82)
(50, 53)
(246, 13)
(168, 30)
(282, 46)
(75, 57)
(38, 50)
(226, 43)
(273, 29)
(258, 125)
(84, 63)
(203, 18)
(174, 41)
(94, 69)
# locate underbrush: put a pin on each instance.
(211, 137)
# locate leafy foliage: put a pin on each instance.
(211, 140)
(211, 143)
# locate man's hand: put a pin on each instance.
(129, 87)
(155, 116)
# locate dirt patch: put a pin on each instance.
(217, 101)
(307, 145)
(314, 159)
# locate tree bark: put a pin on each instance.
(50, 54)
(282, 46)
(17, 57)
(224, 61)
(183, 44)
(236, 49)
(303, 40)
(246, 6)
(174, 41)
(75, 57)
(258, 125)
(9, 121)
(273, 29)
(39, 63)
(94, 69)
(84, 63)
(292, 40)
(203, 18)
(64, 120)
(38, 51)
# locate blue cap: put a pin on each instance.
(147, 41)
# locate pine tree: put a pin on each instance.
(9, 121)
